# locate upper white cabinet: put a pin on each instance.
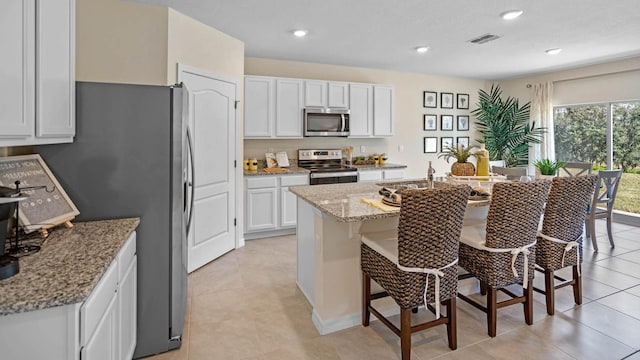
(361, 117)
(272, 107)
(326, 94)
(38, 96)
(382, 110)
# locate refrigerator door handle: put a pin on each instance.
(190, 183)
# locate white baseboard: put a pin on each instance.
(333, 325)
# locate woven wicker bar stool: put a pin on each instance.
(497, 254)
(416, 265)
(560, 240)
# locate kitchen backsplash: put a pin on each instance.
(257, 148)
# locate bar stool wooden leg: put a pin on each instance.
(492, 309)
(405, 333)
(528, 303)
(483, 288)
(577, 285)
(549, 291)
(452, 330)
(366, 299)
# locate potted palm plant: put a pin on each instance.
(461, 153)
(505, 128)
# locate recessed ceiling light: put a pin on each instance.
(511, 14)
(553, 51)
(300, 33)
(422, 49)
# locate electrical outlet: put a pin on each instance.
(270, 150)
(362, 149)
(400, 148)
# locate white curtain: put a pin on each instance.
(542, 114)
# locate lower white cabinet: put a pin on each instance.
(377, 175)
(102, 327)
(270, 208)
(393, 174)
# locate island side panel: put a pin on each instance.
(305, 249)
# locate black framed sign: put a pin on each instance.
(463, 122)
(462, 101)
(430, 145)
(430, 122)
(445, 142)
(446, 122)
(46, 206)
(446, 100)
(430, 99)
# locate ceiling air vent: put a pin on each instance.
(484, 38)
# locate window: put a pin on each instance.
(581, 134)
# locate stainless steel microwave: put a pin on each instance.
(326, 122)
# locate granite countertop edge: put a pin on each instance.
(68, 267)
(292, 170)
(379, 167)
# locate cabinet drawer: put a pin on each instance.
(393, 174)
(259, 182)
(125, 257)
(94, 308)
(294, 180)
(372, 175)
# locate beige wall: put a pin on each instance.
(409, 111)
(612, 81)
(121, 42)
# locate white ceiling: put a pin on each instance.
(384, 33)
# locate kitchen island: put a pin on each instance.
(330, 221)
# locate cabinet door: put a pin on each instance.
(127, 298)
(393, 174)
(315, 93)
(17, 92)
(382, 110)
(338, 95)
(371, 175)
(259, 110)
(103, 345)
(55, 83)
(261, 209)
(289, 108)
(361, 117)
(288, 209)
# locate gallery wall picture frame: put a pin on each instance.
(462, 101)
(463, 140)
(430, 145)
(430, 122)
(446, 122)
(430, 99)
(445, 142)
(446, 100)
(463, 122)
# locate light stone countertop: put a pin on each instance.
(343, 201)
(291, 170)
(67, 268)
(379, 167)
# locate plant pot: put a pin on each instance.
(463, 169)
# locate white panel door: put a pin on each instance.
(212, 118)
(289, 108)
(361, 117)
(382, 110)
(259, 106)
(17, 69)
(315, 93)
(338, 95)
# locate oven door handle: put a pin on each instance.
(334, 174)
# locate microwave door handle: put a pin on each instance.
(343, 123)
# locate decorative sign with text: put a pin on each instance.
(47, 204)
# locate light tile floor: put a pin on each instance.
(245, 305)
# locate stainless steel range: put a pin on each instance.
(326, 167)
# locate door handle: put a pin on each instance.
(193, 174)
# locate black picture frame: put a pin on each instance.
(430, 122)
(463, 122)
(462, 101)
(446, 122)
(430, 99)
(446, 100)
(445, 141)
(430, 145)
(463, 140)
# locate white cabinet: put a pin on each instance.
(270, 208)
(261, 203)
(361, 117)
(383, 109)
(393, 174)
(272, 107)
(38, 96)
(289, 108)
(370, 175)
(127, 300)
(103, 344)
(326, 94)
(259, 108)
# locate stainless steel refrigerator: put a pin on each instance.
(131, 157)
